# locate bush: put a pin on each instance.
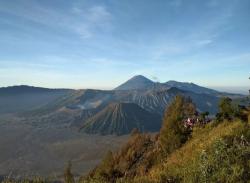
(173, 133)
(224, 163)
(68, 176)
(227, 111)
(134, 159)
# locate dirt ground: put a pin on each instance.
(27, 150)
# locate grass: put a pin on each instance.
(180, 162)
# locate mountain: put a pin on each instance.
(22, 98)
(121, 118)
(152, 100)
(73, 108)
(190, 87)
(156, 101)
(24, 89)
(149, 95)
(142, 83)
(136, 82)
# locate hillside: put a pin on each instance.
(190, 87)
(153, 100)
(156, 101)
(214, 152)
(122, 118)
(22, 98)
(183, 163)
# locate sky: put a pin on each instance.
(100, 44)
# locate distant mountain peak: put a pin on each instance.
(140, 77)
(136, 82)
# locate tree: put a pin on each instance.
(229, 111)
(68, 176)
(226, 108)
(173, 133)
(203, 115)
(106, 171)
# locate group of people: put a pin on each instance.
(190, 122)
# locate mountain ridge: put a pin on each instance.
(21, 98)
(140, 82)
(19, 89)
(72, 108)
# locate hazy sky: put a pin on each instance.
(99, 44)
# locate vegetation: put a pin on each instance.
(204, 115)
(231, 111)
(133, 159)
(173, 133)
(68, 176)
(213, 152)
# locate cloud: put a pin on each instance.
(84, 31)
(82, 20)
(92, 19)
(196, 35)
(204, 42)
(179, 47)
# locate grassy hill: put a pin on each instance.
(195, 161)
(215, 152)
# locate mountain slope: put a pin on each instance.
(217, 151)
(76, 107)
(136, 82)
(121, 118)
(157, 100)
(22, 98)
(190, 87)
(24, 89)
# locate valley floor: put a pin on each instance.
(27, 150)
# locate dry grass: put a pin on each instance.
(202, 138)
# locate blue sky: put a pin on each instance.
(100, 44)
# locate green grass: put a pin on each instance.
(183, 162)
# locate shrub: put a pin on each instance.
(224, 163)
(68, 176)
(173, 133)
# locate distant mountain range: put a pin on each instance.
(137, 103)
(16, 99)
(142, 83)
